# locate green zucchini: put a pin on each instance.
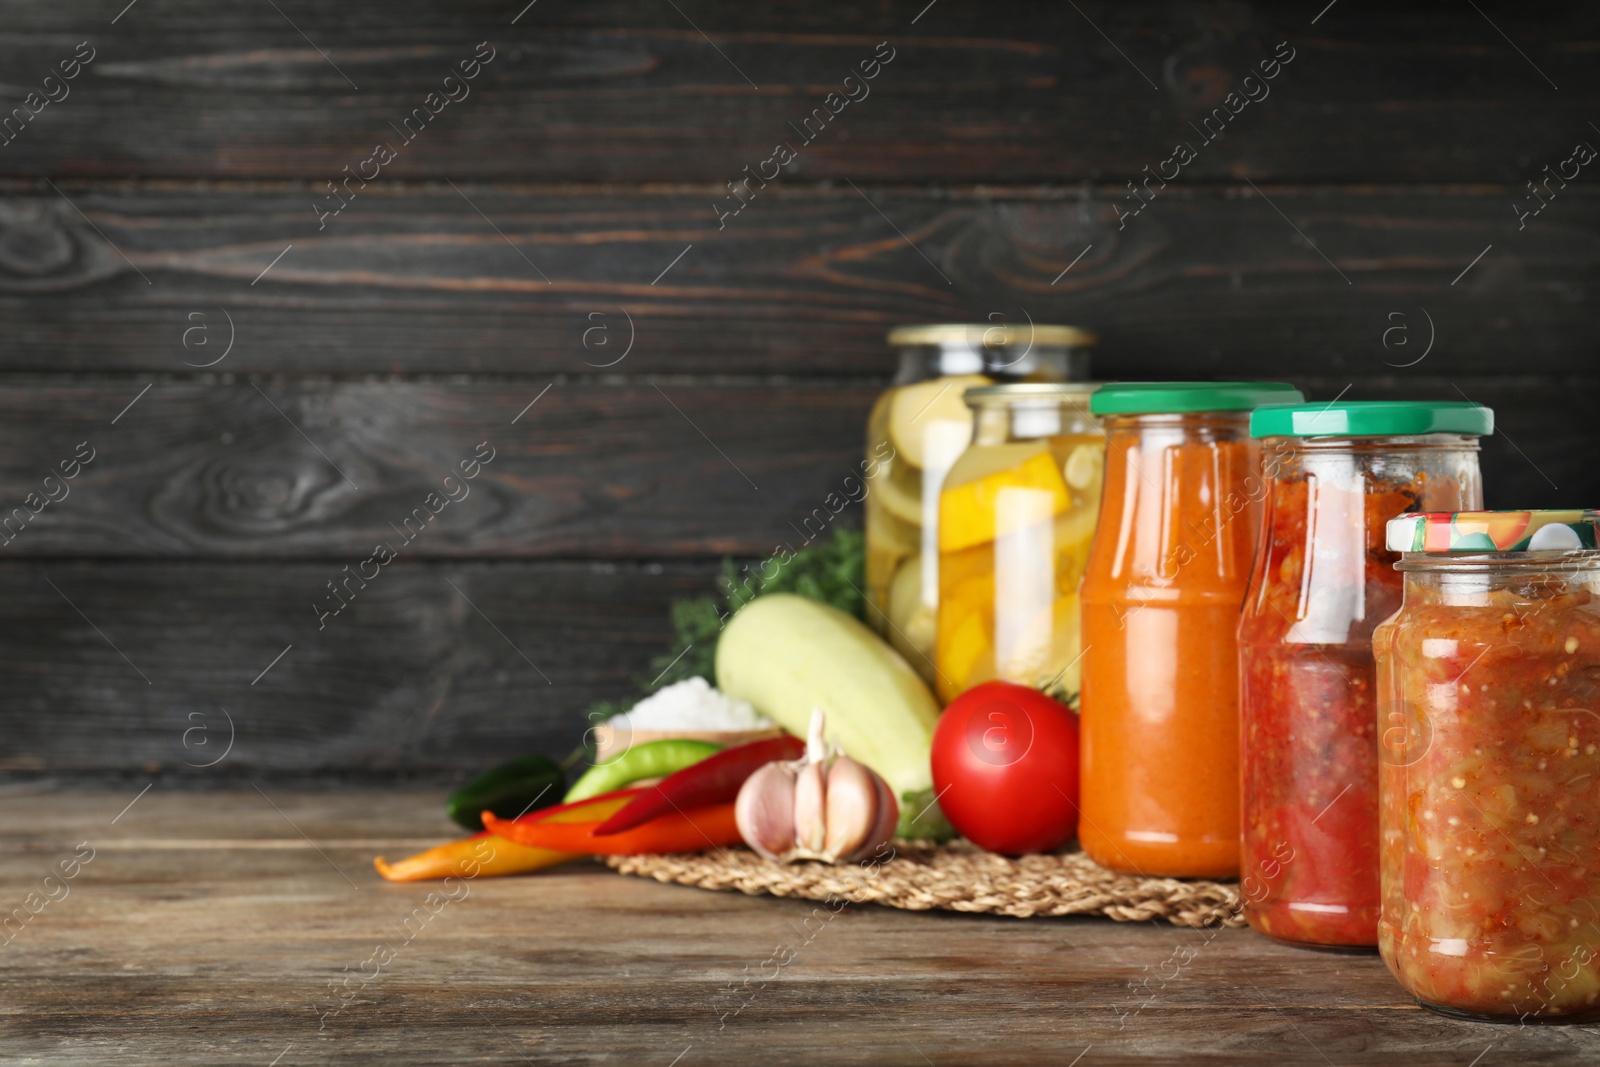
(787, 655)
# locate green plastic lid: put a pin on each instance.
(1371, 418)
(1448, 533)
(1156, 398)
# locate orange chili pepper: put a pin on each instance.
(485, 856)
(680, 831)
(479, 856)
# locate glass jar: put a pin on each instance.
(1489, 778)
(1335, 475)
(1167, 575)
(917, 429)
(1016, 514)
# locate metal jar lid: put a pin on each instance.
(1461, 532)
(989, 335)
(1161, 398)
(1074, 392)
(1372, 418)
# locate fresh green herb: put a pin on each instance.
(695, 624)
(831, 571)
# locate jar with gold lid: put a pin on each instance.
(918, 428)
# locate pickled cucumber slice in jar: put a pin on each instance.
(911, 619)
(914, 407)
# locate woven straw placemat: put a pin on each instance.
(958, 877)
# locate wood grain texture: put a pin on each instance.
(210, 926)
(411, 677)
(990, 158)
(1003, 91)
(670, 469)
(280, 470)
(1202, 282)
(431, 669)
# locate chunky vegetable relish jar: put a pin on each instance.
(1335, 474)
(1489, 785)
(917, 429)
(1016, 515)
(1167, 574)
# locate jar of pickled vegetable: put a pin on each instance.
(1167, 575)
(1335, 475)
(916, 430)
(1016, 514)
(1489, 775)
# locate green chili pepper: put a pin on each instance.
(653, 759)
(509, 790)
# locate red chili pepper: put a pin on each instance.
(681, 831)
(714, 780)
(593, 808)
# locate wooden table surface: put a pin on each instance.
(213, 927)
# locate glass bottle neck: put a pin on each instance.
(1183, 426)
(1470, 580)
(1433, 472)
(1417, 445)
(1027, 420)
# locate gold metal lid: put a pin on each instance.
(989, 335)
(1068, 391)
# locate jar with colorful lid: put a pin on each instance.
(1489, 773)
(1335, 475)
(1016, 514)
(917, 430)
(1167, 574)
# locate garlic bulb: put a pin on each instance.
(825, 807)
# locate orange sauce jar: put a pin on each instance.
(1162, 591)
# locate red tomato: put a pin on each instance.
(1005, 768)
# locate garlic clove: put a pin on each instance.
(835, 809)
(883, 830)
(764, 810)
(810, 808)
(852, 808)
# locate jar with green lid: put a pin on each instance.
(917, 430)
(1016, 514)
(1333, 476)
(1167, 574)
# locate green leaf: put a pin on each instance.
(696, 624)
(832, 571)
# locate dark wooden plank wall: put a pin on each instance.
(160, 214)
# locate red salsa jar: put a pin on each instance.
(1489, 790)
(1335, 474)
